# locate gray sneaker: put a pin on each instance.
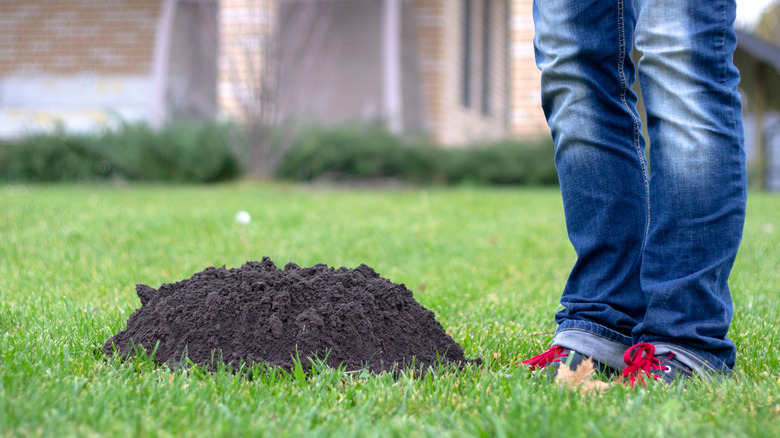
(555, 355)
(643, 364)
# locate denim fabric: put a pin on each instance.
(655, 241)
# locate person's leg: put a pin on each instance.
(698, 177)
(583, 50)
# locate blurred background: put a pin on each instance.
(447, 73)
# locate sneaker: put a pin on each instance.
(643, 364)
(552, 359)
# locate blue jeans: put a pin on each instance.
(655, 242)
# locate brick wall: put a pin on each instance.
(527, 115)
(430, 23)
(440, 27)
(76, 36)
(78, 63)
(246, 27)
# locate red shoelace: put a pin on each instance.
(553, 354)
(642, 363)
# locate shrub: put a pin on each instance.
(189, 151)
(50, 157)
(180, 152)
(363, 152)
(186, 151)
(355, 152)
(507, 162)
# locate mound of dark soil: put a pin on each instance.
(259, 313)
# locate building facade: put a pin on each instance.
(82, 64)
(459, 70)
(64, 61)
(527, 118)
(455, 69)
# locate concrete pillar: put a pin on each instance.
(391, 65)
(162, 55)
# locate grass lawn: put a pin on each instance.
(489, 262)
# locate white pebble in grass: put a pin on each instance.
(243, 217)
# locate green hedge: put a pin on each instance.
(52, 157)
(350, 152)
(181, 152)
(347, 152)
(207, 152)
(507, 162)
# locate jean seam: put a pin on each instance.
(622, 43)
(724, 56)
(721, 44)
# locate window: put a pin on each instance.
(485, 94)
(466, 67)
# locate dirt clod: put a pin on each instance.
(259, 313)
